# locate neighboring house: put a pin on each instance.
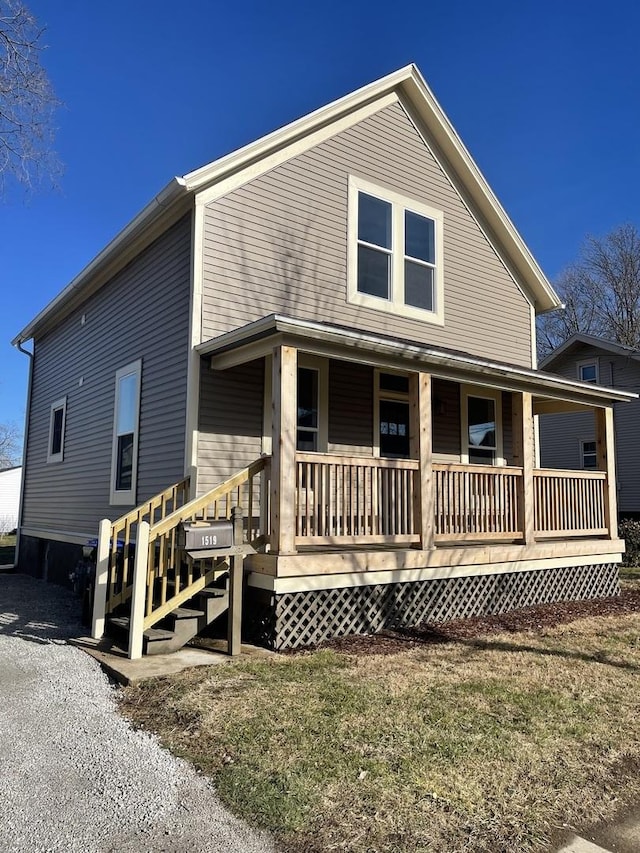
(569, 440)
(10, 479)
(333, 329)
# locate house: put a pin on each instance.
(568, 440)
(331, 331)
(10, 479)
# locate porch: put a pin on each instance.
(381, 483)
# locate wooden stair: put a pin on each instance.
(177, 628)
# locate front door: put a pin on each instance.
(394, 429)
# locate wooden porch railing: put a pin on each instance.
(569, 503)
(354, 499)
(477, 502)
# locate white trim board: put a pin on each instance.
(309, 583)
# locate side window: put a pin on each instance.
(57, 423)
(124, 457)
(481, 432)
(312, 404)
(588, 454)
(308, 406)
(588, 371)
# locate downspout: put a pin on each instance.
(27, 414)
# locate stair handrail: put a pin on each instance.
(107, 547)
(194, 506)
(137, 514)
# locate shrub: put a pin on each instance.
(629, 530)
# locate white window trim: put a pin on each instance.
(304, 360)
(394, 305)
(321, 365)
(55, 407)
(581, 444)
(588, 362)
(381, 394)
(126, 497)
(494, 394)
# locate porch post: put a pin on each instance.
(283, 462)
(524, 457)
(605, 446)
(420, 430)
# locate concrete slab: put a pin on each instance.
(580, 845)
(622, 836)
(116, 664)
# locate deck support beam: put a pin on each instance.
(524, 457)
(420, 431)
(605, 447)
(283, 462)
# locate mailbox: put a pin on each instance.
(204, 537)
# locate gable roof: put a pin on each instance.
(589, 340)
(247, 162)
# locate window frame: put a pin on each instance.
(399, 205)
(125, 497)
(495, 395)
(588, 362)
(594, 453)
(312, 362)
(58, 405)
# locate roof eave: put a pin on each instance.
(275, 324)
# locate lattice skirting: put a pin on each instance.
(296, 619)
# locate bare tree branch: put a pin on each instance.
(601, 292)
(27, 100)
(9, 445)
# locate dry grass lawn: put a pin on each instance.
(486, 744)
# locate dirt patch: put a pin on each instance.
(534, 618)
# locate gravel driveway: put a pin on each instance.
(74, 775)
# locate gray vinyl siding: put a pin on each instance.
(143, 313)
(560, 437)
(231, 421)
(446, 420)
(279, 244)
(350, 408)
(560, 434)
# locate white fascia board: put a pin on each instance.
(284, 136)
(160, 204)
(487, 372)
(467, 170)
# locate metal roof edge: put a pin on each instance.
(280, 324)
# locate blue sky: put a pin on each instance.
(545, 95)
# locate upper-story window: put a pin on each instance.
(395, 253)
(588, 371)
(57, 422)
